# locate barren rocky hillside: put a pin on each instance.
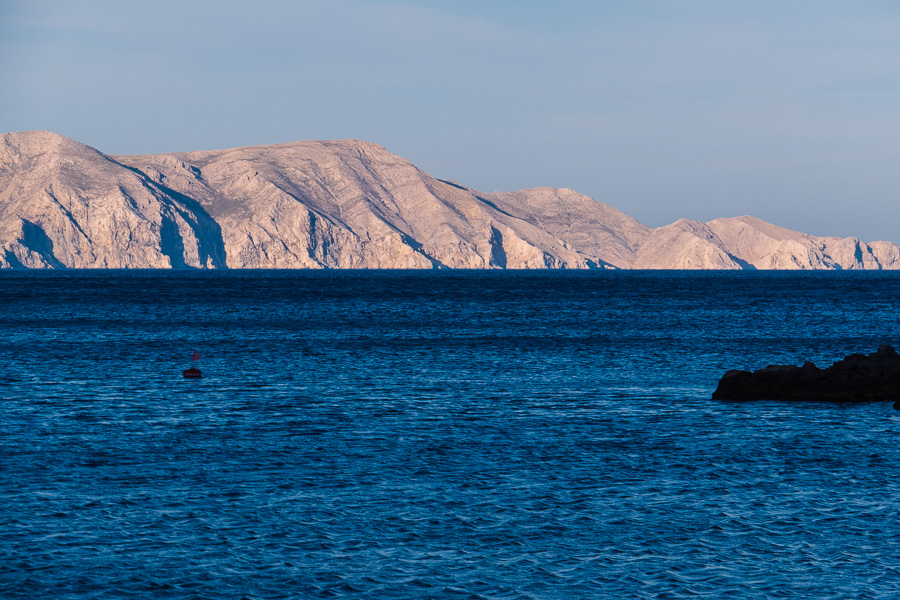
(346, 204)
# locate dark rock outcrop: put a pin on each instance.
(856, 378)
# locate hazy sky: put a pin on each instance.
(789, 111)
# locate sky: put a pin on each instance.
(788, 111)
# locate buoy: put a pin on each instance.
(193, 372)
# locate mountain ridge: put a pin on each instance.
(347, 204)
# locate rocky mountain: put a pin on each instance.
(346, 204)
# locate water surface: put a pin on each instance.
(439, 435)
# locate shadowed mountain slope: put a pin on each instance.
(345, 204)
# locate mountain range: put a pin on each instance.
(347, 204)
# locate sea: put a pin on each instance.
(439, 434)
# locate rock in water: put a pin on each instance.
(856, 378)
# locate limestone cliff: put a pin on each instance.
(345, 204)
(64, 204)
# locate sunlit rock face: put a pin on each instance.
(64, 204)
(766, 246)
(346, 204)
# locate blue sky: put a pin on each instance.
(789, 111)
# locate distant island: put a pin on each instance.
(347, 204)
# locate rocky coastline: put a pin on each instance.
(348, 204)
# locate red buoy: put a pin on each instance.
(193, 372)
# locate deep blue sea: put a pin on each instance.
(471, 435)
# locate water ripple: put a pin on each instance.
(534, 436)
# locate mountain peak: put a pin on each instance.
(31, 143)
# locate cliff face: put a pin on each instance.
(751, 243)
(64, 204)
(351, 204)
(345, 204)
